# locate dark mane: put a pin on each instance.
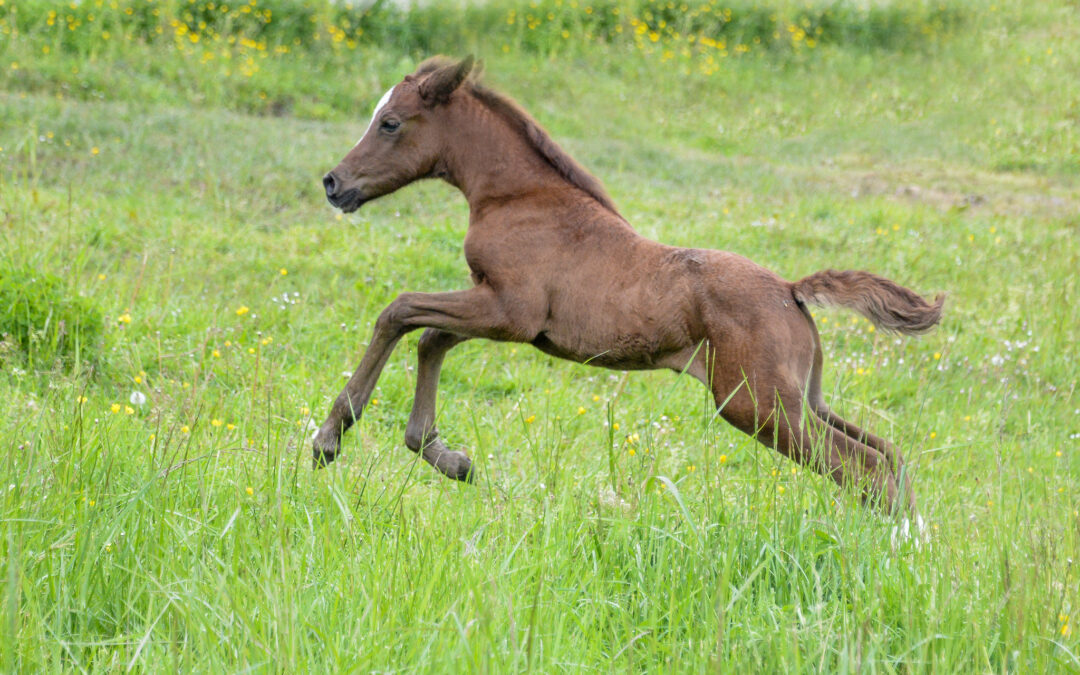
(531, 130)
(566, 165)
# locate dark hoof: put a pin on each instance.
(455, 464)
(451, 463)
(324, 452)
(465, 475)
(321, 459)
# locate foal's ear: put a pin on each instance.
(437, 87)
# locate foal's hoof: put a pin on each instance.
(456, 465)
(451, 463)
(324, 451)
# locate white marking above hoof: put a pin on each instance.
(902, 533)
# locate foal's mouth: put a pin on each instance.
(348, 201)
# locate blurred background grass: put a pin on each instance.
(159, 169)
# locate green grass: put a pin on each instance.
(191, 534)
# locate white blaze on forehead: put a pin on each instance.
(378, 106)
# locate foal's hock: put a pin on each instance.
(555, 265)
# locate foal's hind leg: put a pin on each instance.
(886, 448)
(420, 433)
(890, 452)
(853, 463)
(843, 459)
(816, 401)
(814, 444)
(876, 442)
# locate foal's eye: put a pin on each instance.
(390, 125)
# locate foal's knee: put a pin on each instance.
(392, 319)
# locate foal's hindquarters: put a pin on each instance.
(751, 340)
(765, 377)
(740, 329)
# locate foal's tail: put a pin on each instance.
(888, 304)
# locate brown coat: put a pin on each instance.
(555, 265)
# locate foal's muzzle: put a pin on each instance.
(346, 200)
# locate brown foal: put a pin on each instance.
(553, 264)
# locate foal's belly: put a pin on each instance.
(615, 334)
(627, 352)
(625, 319)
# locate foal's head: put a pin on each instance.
(401, 143)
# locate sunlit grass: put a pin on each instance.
(157, 504)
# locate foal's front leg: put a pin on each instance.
(420, 433)
(476, 312)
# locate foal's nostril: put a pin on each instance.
(330, 183)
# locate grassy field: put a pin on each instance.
(160, 196)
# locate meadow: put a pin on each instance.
(179, 305)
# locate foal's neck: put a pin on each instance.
(490, 162)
